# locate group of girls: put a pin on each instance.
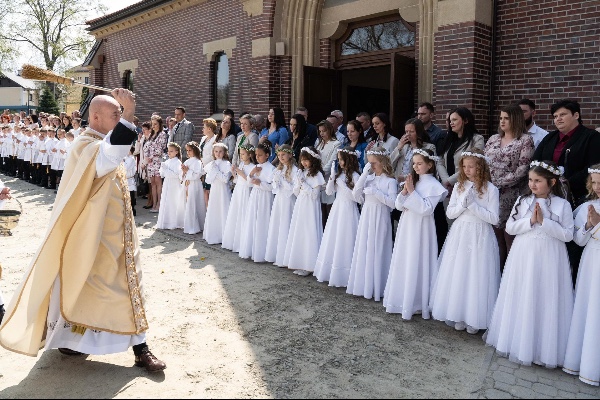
(530, 312)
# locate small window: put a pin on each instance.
(221, 82)
(127, 80)
(86, 80)
(381, 36)
(30, 96)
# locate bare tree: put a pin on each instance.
(55, 28)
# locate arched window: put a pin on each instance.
(221, 82)
(128, 80)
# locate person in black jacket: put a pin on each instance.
(573, 146)
(576, 148)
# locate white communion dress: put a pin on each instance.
(531, 319)
(193, 196)
(583, 353)
(468, 279)
(237, 209)
(281, 215)
(218, 173)
(414, 259)
(171, 210)
(373, 245)
(255, 226)
(335, 254)
(306, 227)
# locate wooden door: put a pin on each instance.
(321, 92)
(402, 93)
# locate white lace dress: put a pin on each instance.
(414, 259)
(468, 279)
(583, 353)
(335, 254)
(218, 173)
(255, 227)
(281, 215)
(172, 208)
(531, 319)
(193, 197)
(306, 227)
(237, 209)
(373, 245)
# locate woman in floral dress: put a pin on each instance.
(156, 149)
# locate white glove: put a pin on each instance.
(468, 199)
(367, 168)
(333, 168)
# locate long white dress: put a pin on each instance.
(335, 254)
(468, 279)
(306, 228)
(373, 245)
(328, 153)
(218, 173)
(414, 261)
(583, 353)
(172, 207)
(193, 197)
(531, 319)
(281, 215)
(255, 226)
(237, 209)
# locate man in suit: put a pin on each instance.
(311, 129)
(340, 126)
(183, 130)
(364, 119)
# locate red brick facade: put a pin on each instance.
(545, 50)
(462, 59)
(548, 50)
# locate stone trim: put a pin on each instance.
(130, 65)
(253, 7)
(209, 49)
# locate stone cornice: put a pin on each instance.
(136, 14)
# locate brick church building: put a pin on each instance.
(353, 55)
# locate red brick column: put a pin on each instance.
(462, 54)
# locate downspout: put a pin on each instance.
(492, 91)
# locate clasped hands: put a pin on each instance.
(593, 218)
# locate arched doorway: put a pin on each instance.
(373, 70)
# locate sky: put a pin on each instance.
(116, 5)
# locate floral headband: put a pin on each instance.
(426, 155)
(352, 153)
(219, 144)
(593, 171)
(378, 153)
(247, 147)
(286, 150)
(312, 153)
(556, 171)
(471, 154)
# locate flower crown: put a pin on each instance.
(312, 153)
(247, 147)
(352, 153)
(286, 150)
(378, 153)
(556, 171)
(471, 154)
(219, 144)
(593, 171)
(426, 155)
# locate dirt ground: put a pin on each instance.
(231, 328)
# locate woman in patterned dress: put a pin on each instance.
(156, 148)
(510, 151)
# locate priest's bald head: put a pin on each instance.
(105, 111)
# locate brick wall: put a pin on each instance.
(548, 50)
(325, 53)
(172, 69)
(462, 59)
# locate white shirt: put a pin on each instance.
(537, 134)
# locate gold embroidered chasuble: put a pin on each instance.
(92, 245)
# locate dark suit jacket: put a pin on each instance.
(581, 152)
(312, 130)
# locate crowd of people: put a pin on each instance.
(483, 235)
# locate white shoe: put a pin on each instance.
(460, 326)
(472, 331)
(301, 272)
(296, 271)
